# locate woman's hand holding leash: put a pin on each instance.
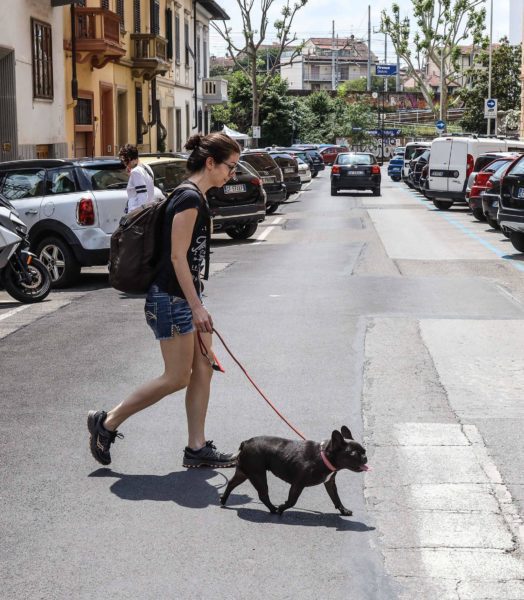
(202, 319)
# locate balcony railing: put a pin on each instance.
(149, 54)
(97, 36)
(214, 90)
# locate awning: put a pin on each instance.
(63, 2)
(236, 135)
(215, 10)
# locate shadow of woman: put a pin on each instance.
(192, 488)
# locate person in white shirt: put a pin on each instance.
(140, 187)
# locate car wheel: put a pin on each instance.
(59, 260)
(334, 191)
(242, 232)
(493, 223)
(442, 204)
(478, 213)
(271, 208)
(517, 240)
(376, 191)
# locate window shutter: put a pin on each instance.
(169, 33)
(104, 4)
(120, 12)
(139, 115)
(136, 15)
(177, 39)
(155, 17)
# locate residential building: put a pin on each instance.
(315, 68)
(32, 90)
(140, 69)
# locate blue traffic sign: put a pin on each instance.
(440, 125)
(385, 70)
(490, 103)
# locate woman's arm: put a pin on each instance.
(181, 233)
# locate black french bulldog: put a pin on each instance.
(300, 463)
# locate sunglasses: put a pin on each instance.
(232, 168)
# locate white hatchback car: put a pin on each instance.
(71, 207)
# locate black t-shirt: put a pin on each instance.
(198, 251)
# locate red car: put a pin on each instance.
(329, 153)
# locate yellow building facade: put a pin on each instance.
(130, 69)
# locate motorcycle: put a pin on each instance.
(23, 276)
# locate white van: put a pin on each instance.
(409, 153)
(451, 162)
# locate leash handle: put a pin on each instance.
(299, 433)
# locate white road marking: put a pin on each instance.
(14, 311)
(268, 230)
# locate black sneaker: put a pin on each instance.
(100, 439)
(208, 456)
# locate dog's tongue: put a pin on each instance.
(365, 468)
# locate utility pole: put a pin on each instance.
(333, 66)
(369, 49)
(442, 77)
(398, 62)
(489, 67)
(385, 59)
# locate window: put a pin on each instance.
(139, 115)
(84, 112)
(120, 13)
(42, 53)
(198, 56)
(109, 178)
(188, 117)
(136, 16)
(204, 52)
(155, 16)
(355, 159)
(178, 129)
(186, 41)
(60, 181)
(177, 39)
(169, 33)
(104, 4)
(199, 120)
(23, 184)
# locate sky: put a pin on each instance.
(350, 16)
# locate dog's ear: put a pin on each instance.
(337, 441)
(346, 433)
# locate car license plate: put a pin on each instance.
(268, 180)
(520, 193)
(234, 189)
(437, 173)
(289, 170)
(355, 172)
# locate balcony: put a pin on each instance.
(97, 36)
(214, 90)
(149, 55)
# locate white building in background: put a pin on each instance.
(32, 90)
(516, 15)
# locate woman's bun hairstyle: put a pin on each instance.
(217, 146)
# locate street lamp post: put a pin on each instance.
(489, 67)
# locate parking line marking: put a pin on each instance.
(268, 230)
(14, 311)
(471, 234)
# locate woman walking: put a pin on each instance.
(175, 312)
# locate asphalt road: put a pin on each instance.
(400, 321)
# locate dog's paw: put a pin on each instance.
(223, 501)
(281, 509)
(345, 511)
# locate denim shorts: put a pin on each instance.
(167, 315)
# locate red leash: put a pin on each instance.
(251, 381)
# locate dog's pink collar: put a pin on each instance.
(326, 460)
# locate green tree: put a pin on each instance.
(505, 85)
(249, 52)
(360, 84)
(441, 25)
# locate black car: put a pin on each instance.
(511, 209)
(490, 197)
(317, 161)
(289, 166)
(237, 208)
(271, 176)
(420, 163)
(411, 165)
(355, 171)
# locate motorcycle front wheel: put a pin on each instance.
(28, 292)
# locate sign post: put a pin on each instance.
(440, 125)
(256, 132)
(490, 112)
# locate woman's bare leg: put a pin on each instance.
(177, 353)
(197, 393)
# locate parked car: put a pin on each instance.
(311, 150)
(303, 170)
(452, 161)
(395, 167)
(355, 170)
(271, 176)
(299, 154)
(418, 165)
(490, 197)
(423, 182)
(409, 153)
(411, 165)
(480, 183)
(329, 153)
(483, 161)
(237, 208)
(511, 209)
(399, 151)
(289, 167)
(71, 207)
